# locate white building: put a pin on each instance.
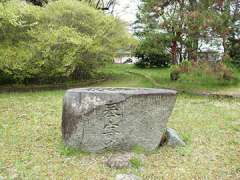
(125, 58)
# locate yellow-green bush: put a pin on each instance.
(66, 39)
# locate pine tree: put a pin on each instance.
(187, 21)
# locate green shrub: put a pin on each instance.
(151, 52)
(63, 40)
(152, 60)
(234, 52)
(203, 73)
(184, 67)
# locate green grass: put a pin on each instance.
(31, 145)
(130, 75)
(136, 163)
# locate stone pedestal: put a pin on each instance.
(95, 119)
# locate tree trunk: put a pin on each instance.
(194, 46)
(174, 52)
(225, 47)
(181, 53)
(195, 49)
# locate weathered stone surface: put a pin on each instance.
(173, 138)
(95, 119)
(127, 177)
(119, 161)
(123, 160)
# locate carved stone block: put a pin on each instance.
(95, 119)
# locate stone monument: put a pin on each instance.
(96, 119)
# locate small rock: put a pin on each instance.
(173, 138)
(119, 161)
(123, 160)
(127, 177)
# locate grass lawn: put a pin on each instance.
(31, 145)
(160, 78)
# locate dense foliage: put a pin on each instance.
(98, 4)
(234, 52)
(65, 39)
(151, 52)
(187, 22)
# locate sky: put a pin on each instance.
(126, 10)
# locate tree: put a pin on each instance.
(105, 5)
(234, 34)
(151, 53)
(64, 40)
(168, 17)
(186, 21)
